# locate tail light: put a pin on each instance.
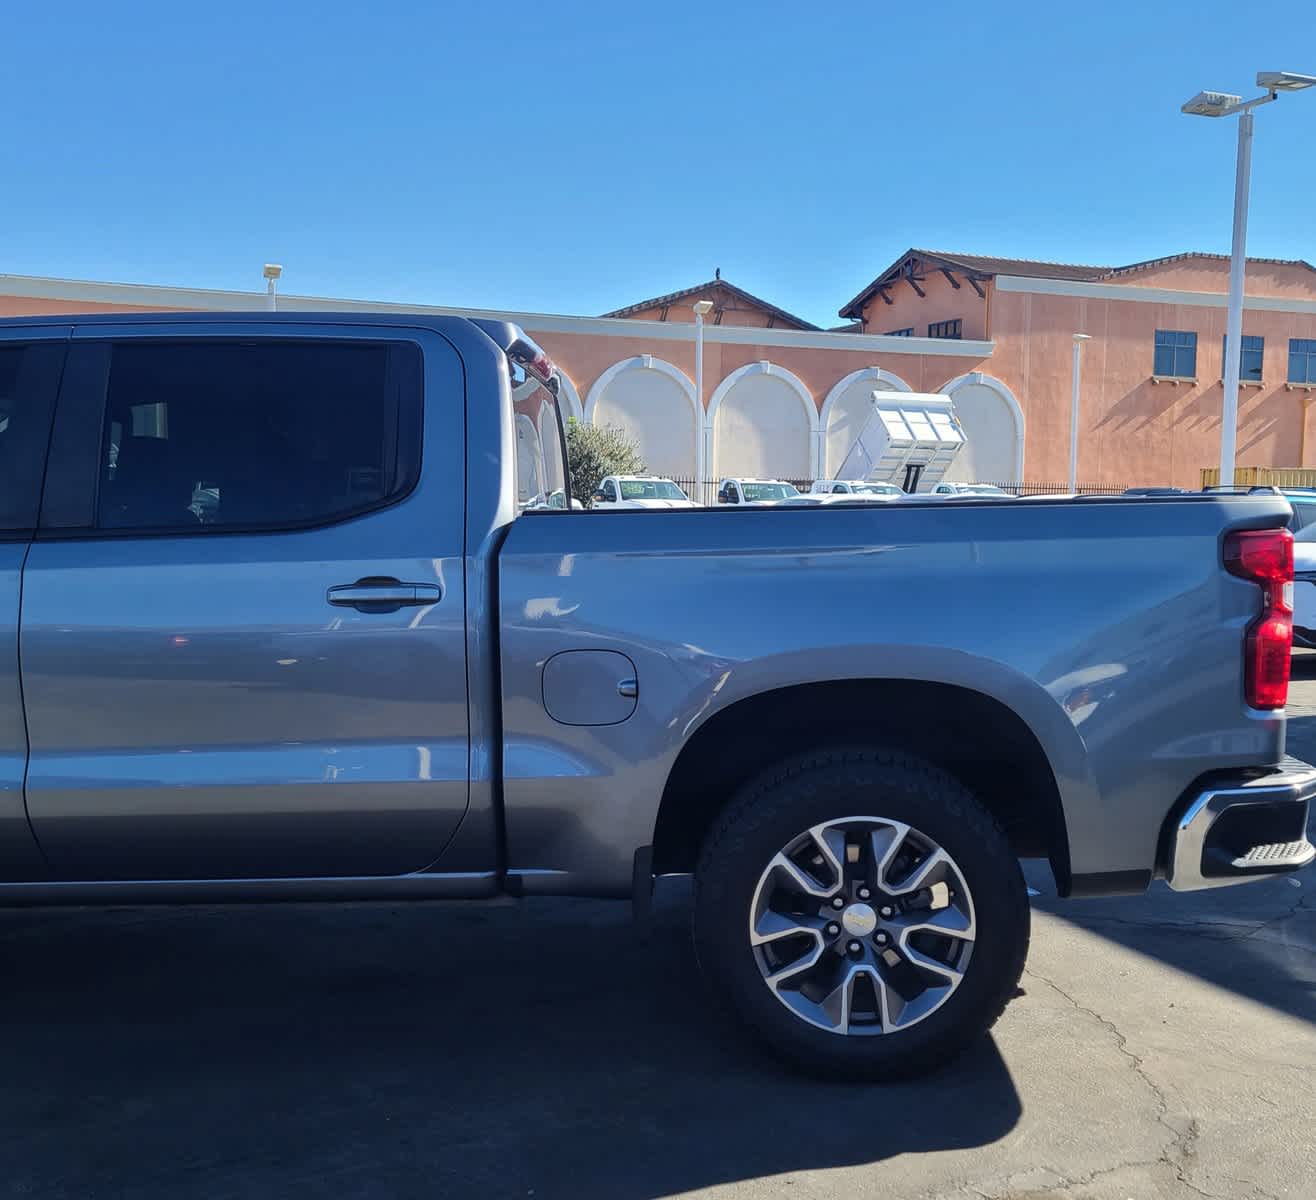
(1265, 556)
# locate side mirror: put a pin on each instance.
(598, 496)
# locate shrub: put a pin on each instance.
(594, 451)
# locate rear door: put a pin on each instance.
(30, 363)
(243, 645)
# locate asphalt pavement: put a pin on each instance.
(1162, 1047)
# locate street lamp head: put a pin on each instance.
(272, 271)
(1212, 104)
(1082, 337)
(703, 307)
(1284, 81)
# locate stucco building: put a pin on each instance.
(785, 398)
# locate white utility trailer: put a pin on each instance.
(910, 439)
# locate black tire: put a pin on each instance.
(830, 784)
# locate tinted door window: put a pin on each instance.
(208, 436)
(29, 377)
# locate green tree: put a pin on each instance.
(594, 451)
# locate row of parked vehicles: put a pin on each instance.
(655, 491)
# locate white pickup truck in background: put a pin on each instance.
(856, 489)
(757, 492)
(639, 491)
(969, 489)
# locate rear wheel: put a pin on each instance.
(862, 912)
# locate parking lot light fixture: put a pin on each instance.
(271, 272)
(1226, 104)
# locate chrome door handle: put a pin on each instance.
(383, 595)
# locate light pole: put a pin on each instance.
(701, 308)
(1079, 339)
(272, 272)
(1224, 104)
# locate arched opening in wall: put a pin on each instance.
(847, 409)
(993, 426)
(655, 404)
(763, 420)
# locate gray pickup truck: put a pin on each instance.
(299, 607)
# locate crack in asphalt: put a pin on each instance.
(1299, 905)
(1181, 1146)
(1067, 1184)
(1257, 1189)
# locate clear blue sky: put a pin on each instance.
(574, 157)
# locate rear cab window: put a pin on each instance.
(214, 435)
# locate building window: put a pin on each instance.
(1302, 360)
(900, 332)
(1249, 365)
(1176, 354)
(946, 329)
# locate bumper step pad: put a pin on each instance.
(1278, 855)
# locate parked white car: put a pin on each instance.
(640, 491)
(760, 492)
(857, 488)
(968, 489)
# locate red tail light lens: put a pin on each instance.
(1265, 556)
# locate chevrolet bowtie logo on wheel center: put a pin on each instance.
(859, 920)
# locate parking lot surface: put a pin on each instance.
(1162, 1047)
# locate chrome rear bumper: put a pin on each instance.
(1235, 831)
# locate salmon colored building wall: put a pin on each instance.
(1011, 372)
(1133, 430)
(584, 357)
(943, 302)
(1191, 274)
(25, 306)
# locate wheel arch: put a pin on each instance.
(977, 737)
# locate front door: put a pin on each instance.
(243, 648)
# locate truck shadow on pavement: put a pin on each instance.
(539, 1049)
(1257, 940)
